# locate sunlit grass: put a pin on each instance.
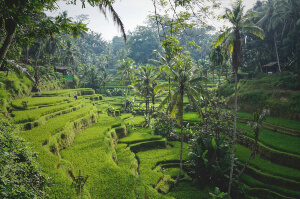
(38, 101)
(242, 153)
(89, 153)
(33, 114)
(278, 141)
(293, 124)
(149, 159)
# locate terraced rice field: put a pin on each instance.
(122, 159)
(72, 136)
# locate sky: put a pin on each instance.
(131, 12)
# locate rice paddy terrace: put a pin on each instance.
(122, 159)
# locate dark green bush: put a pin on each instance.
(20, 176)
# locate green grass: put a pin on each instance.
(186, 190)
(191, 116)
(242, 153)
(38, 101)
(68, 92)
(293, 124)
(253, 183)
(140, 135)
(34, 114)
(126, 159)
(42, 134)
(149, 159)
(278, 141)
(89, 153)
(51, 164)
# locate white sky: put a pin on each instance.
(132, 13)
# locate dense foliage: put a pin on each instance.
(20, 176)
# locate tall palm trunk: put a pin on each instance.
(234, 134)
(181, 135)
(277, 53)
(125, 95)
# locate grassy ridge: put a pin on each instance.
(89, 153)
(42, 134)
(278, 141)
(186, 190)
(34, 114)
(149, 159)
(293, 124)
(68, 92)
(51, 164)
(140, 135)
(242, 153)
(38, 101)
(253, 183)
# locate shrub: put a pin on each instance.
(20, 176)
(210, 160)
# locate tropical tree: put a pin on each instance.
(104, 78)
(144, 83)
(171, 49)
(125, 69)
(185, 82)
(70, 53)
(232, 41)
(217, 59)
(93, 75)
(84, 72)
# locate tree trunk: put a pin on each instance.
(125, 96)
(234, 134)
(277, 53)
(6, 44)
(181, 139)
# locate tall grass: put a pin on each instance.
(242, 153)
(278, 141)
(34, 114)
(90, 154)
(38, 101)
(150, 159)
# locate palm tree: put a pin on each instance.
(144, 83)
(84, 72)
(171, 49)
(185, 81)
(52, 44)
(93, 77)
(217, 59)
(270, 20)
(125, 69)
(70, 53)
(232, 41)
(104, 78)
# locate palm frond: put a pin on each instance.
(106, 4)
(222, 37)
(255, 30)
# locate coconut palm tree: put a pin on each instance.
(185, 82)
(144, 83)
(104, 78)
(125, 69)
(232, 41)
(217, 59)
(84, 72)
(70, 53)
